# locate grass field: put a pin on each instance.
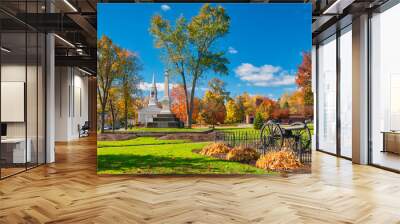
(147, 155)
(188, 130)
(168, 129)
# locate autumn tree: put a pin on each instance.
(115, 105)
(248, 104)
(258, 121)
(303, 79)
(240, 108)
(296, 102)
(265, 107)
(191, 47)
(129, 81)
(178, 106)
(108, 70)
(213, 108)
(218, 87)
(233, 113)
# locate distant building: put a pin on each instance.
(147, 114)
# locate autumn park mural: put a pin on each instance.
(204, 89)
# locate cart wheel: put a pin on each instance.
(271, 136)
(302, 137)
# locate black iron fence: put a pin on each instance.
(251, 138)
(248, 138)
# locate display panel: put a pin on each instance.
(198, 89)
(12, 98)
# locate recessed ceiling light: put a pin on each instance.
(86, 72)
(5, 50)
(70, 5)
(64, 40)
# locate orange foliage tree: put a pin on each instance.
(213, 108)
(265, 106)
(303, 81)
(178, 105)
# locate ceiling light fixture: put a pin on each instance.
(5, 50)
(64, 40)
(330, 8)
(337, 7)
(70, 5)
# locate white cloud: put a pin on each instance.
(165, 7)
(264, 76)
(232, 50)
(272, 96)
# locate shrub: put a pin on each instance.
(258, 121)
(215, 149)
(242, 154)
(278, 161)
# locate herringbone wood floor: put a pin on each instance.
(69, 191)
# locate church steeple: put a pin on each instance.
(153, 93)
(154, 82)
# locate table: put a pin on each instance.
(13, 150)
(391, 141)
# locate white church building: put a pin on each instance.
(146, 114)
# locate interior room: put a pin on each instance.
(22, 99)
(385, 89)
(48, 150)
(47, 81)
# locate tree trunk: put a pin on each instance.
(188, 118)
(191, 103)
(103, 108)
(126, 114)
(102, 119)
(112, 116)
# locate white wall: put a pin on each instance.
(71, 102)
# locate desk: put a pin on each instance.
(391, 141)
(13, 150)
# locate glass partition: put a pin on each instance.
(346, 92)
(14, 153)
(41, 97)
(22, 101)
(327, 95)
(385, 89)
(31, 98)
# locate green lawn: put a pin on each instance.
(147, 155)
(168, 129)
(138, 142)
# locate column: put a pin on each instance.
(360, 90)
(50, 98)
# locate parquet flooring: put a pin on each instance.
(69, 191)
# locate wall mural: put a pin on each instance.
(204, 88)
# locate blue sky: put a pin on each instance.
(264, 44)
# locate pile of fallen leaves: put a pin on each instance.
(242, 154)
(215, 149)
(278, 161)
